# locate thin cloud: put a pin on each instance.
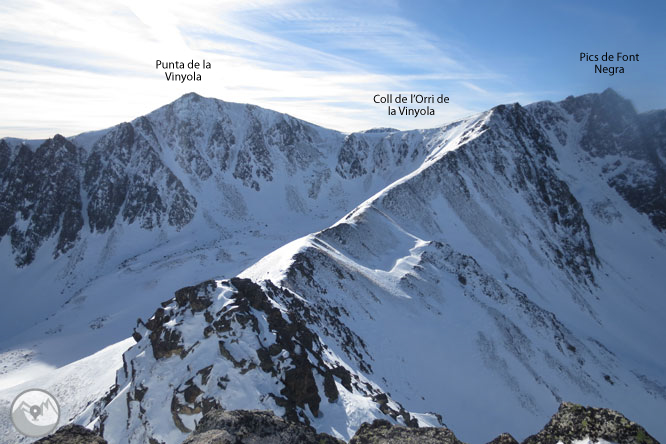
(76, 65)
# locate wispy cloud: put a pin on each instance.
(77, 65)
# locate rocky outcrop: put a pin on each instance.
(254, 427)
(242, 332)
(352, 156)
(5, 156)
(575, 422)
(41, 198)
(383, 432)
(123, 177)
(572, 422)
(627, 146)
(514, 155)
(126, 177)
(504, 438)
(72, 434)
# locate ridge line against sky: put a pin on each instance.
(72, 66)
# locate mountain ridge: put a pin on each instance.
(390, 266)
(153, 176)
(507, 237)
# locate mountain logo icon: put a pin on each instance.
(35, 413)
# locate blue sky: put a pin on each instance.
(72, 65)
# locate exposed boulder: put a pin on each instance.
(73, 434)
(383, 432)
(575, 422)
(254, 426)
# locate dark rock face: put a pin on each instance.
(294, 140)
(383, 432)
(253, 426)
(43, 189)
(105, 177)
(553, 203)
(629, 145)
(254, 161)
(5, 154)
(575, 422)
(219, 144)
(165, 342)
(612, 127)
(195, 296)
(72, 434)
(352, 156)
(122, 177)
(511, 154)
(650, 197)
(125, 172)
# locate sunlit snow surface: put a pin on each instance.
(75, 386)
(56, 312)
(471, 301)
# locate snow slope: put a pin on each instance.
(511, 270)
(96, 229)
(76, 386)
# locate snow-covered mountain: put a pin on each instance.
(488, 269)
(97, 228)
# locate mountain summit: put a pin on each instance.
(493, 267)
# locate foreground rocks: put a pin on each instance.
(254, 426)
(381, 431)
(504, 438)
(72, 434)
(572, 422)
